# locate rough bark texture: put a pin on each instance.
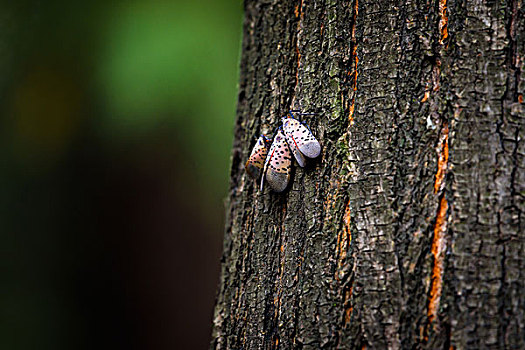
(409, 230)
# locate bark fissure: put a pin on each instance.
(354, 58)
(501, 294)
(299, 16)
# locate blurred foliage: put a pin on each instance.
(145, 65)
(115, 138)
(174, 63)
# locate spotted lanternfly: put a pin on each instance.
(278, 165)
(300, 139)
(255, 163)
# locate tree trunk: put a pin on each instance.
(408, 232)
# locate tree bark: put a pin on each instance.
(408, 233)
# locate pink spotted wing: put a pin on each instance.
(301, 138)
(278, 165)
(255, 162)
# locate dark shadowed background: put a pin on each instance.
(115, 132)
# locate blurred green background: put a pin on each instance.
(115, 135)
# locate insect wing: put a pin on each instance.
(301, 137)
(295, 150)
(278, 165)
(255, 162)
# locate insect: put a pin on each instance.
(278, 165)
(255, 162)
(300, 139)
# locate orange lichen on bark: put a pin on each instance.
(426, 96)
(354, 41)
(443, 159)
(443, 21)
(438, 241)
(520, 98)
(344, 239)
(438, 253)
(351, 112)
